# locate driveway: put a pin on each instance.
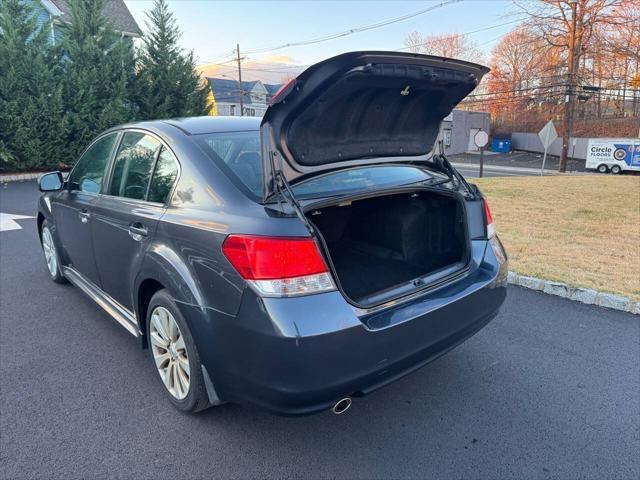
(549, 389)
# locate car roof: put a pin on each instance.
(200, 125)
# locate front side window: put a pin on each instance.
(164, 176)
(88, 173)
(133, 165)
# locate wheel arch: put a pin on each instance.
(40, 220)
(146, 290)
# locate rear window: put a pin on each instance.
(238, 154)
(360, 178)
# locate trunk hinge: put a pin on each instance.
(453, 173)
(285, 191)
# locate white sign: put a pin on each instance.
(548, 134)
(8, 221)
(481, 138)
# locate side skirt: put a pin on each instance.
(122, 315)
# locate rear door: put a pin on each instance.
(126, 215)
(73, 207)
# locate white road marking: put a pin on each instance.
(8, 221)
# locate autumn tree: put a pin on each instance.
(522, 75)
(569, 25)
(452, 45)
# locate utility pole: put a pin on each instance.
(240, 82)
(570, 98)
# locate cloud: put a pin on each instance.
(273, 68)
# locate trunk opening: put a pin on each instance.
(389, 246)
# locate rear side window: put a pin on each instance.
(88, 173)
(133, 165)
(238, 155)
(164, 176)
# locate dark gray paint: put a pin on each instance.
(549, 389)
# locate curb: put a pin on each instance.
(19, 177)
(577, 294)
(504, 168)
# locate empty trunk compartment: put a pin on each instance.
(388, 246)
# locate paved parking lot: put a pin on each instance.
(550, 389)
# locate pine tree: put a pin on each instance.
(168, 84)
(30, 94)
(99, 69)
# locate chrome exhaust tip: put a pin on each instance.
(341, 406)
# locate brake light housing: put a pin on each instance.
(278, 266)
(488, 219)
(492, 236)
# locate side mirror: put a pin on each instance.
(50, 182)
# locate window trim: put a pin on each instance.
(107, 168)
(163, 144)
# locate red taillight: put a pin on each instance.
(268, 258)
(279, 266)
(488, 218)
(283, 92)
(487, 213)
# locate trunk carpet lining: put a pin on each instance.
(360, 276)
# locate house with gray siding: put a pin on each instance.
(255, 96)
(59, 12)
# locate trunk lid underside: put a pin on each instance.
(361, 108)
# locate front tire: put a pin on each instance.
(51, 254)
(602, 168)
(174, 355)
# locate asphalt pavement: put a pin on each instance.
(549, 389)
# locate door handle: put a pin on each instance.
(84, 215)
(137, 231)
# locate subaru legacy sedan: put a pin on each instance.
(294, 262)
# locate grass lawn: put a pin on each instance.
(581, 230)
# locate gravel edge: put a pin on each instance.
(577, 294)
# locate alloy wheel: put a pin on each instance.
(49, 251)
(169, 352)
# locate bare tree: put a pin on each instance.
(452, 45)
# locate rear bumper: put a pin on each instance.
(298, 356)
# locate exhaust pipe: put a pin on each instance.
(341, 406)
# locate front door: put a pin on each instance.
(73, 207)
(125, 217)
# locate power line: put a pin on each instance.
(352, 31)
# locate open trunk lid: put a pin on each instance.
(361, 108)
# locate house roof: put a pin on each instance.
(272, 89)
(228, 91)
(114, 10)
(225, 90)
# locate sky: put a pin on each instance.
(213, 28)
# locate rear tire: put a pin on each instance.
(615, 169)
(174, 355)
(51, 256)
(602, 168)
